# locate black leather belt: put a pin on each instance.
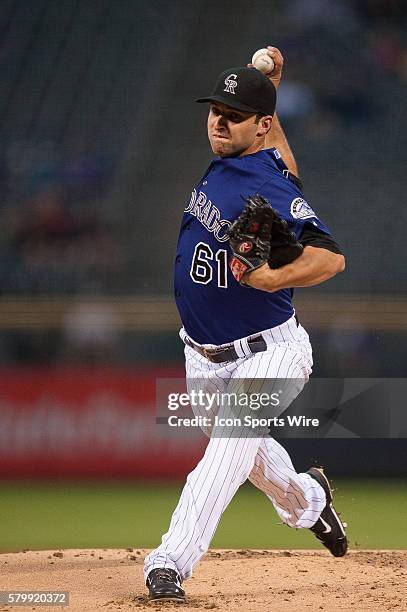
(228, 353)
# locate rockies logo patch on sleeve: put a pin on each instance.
(300, 209)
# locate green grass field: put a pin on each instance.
(104, 515)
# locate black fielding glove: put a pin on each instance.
(258, 236)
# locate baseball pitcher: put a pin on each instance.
(248, 237)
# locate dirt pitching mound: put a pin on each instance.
(244, 580)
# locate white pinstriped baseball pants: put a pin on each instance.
(230, 460)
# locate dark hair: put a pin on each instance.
(259, 116)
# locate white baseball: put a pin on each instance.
(262, 61)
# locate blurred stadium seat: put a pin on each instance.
(100, 143)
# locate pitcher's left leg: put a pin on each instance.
(226, 464)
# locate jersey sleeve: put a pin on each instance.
(312, 236)
(289, 201)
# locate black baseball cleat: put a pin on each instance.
(164, 584)
(329, 529)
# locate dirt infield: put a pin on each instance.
(243, 580)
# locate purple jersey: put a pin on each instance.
(214, 307)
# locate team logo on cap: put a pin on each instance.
(230, 83)
(300, 209)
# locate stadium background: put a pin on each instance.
(100, 144)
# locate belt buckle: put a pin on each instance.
(207, 353)
(211, 353)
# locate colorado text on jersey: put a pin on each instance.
(208, 214)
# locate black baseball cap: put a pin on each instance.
(246, 89)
